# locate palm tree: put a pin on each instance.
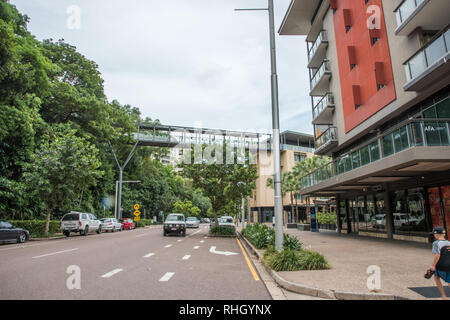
(304, 168)
(288, 185)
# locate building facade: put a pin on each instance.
(379, 87)
(295, 147)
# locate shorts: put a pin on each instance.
(443, 275)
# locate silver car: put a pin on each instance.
(226, 221)
(192, 222)
(111, 224)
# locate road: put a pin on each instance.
(138, 264)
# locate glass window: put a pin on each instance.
(417, 137)
(365, 155)
(374, 151)
(371, 213)
(388, 146)
(401, 139)
(432, 133)
(435, 50)
(355, 160)
(443, 108)
(380, 217)
(415, 220)
(430, 113)
(343, 215)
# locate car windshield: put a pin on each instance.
(191, 219)
(71, 217)
(175, 218)
(226, 220)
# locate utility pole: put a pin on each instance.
(278, 204)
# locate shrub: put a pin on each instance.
(285, 260)
(37, 227)
(140, 224)
(222, 231)
(311, 260)
(291, 243)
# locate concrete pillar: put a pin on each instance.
(338, 214)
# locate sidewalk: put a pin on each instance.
(402, 264)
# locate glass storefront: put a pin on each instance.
(343, 214)
(409, 212)
(439, 199)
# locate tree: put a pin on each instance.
(63, 167)
(221, 182)
(187, 208)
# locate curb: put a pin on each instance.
(46, 239)
(317, 292)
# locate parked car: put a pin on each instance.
(10, 233)
(226, 221)
(175, 223)
(192, 222)
(111, 224)
(205, 220)
(80, 222)
(128, 224)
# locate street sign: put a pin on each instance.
(137, 213)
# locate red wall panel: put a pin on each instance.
(367, 56)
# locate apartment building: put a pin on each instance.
(295, 147)
(379, 86)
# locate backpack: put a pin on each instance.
(444, 261)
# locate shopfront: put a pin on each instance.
(413, 213)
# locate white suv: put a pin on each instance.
(80, 222)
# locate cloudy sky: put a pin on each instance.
(185, 62)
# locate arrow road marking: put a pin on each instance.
(225, 253)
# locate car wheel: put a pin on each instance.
(113, 229)
(184, 233)
(99, 230)
(22, 238)
(86, 231)
(67, 233)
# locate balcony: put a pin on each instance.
(412, 134)
(326, 141)
(320, 80)
(426, 14)
(317, 50)
(323, 110)
(429, 65)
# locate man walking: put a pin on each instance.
(441, 260)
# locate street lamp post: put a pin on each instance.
(275, 128)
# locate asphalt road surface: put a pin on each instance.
(131, 265)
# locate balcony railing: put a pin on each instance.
(407, 9)
(324, 68)
(322, 37)
(327, 100)
(326, 137)
(415, 133)
(428, 55)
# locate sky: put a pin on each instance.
(185, 62)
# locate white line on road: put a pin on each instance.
(186, 257)
(167, 276)
(51, 254)
(196, 247)
(168, 246)
(110, 274)
(203, 241)
(149, 255)
(194, 233)
(141, 235)
(179, 240)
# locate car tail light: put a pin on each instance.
(79, 223)
(110, 223)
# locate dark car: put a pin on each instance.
(175, 223)
(9, 233)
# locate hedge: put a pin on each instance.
(222, 231)
(37, 227)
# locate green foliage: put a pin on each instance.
(140, 224)
(222, 230)
(326, 218)
(187, 208)
(310, 260)
(262, 237)
(294, 260)
(37, 227)
(291, 243)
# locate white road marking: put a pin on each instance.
(205, 237)
(186, 257)
(168, 246)
(167, 276)
(225, 253)
(110, 274)
(149, 255)
(179, 240)
(53, 253)
(141, 235)
(196, 247)
(194, 233)
(203, 241)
